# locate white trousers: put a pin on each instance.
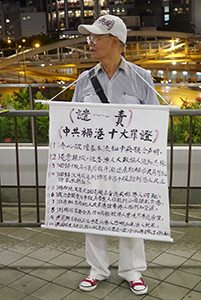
(132, 259)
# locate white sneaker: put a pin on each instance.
(138, 287)
(89, 284)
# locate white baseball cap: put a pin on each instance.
(106, 24)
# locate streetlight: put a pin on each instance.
(37, 45)
(9, 41)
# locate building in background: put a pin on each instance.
(68, 14)
(29, 17)
(38, 4)
(164, 13)
(10, 28)
(180, 15)
(32, 22)
(196, 15)
(150, 12)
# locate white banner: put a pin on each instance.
(107, 170)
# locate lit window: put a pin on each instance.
(70, 71)
(166, 9)
(104, 12)
(88, 13)
(78, 13)
(166, 17)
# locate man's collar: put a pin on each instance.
(123, 66)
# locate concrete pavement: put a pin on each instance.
(44, 264)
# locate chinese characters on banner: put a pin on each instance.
(107, 170)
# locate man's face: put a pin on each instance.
(100, 45)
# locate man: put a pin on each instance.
(126, 83)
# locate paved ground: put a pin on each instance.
(37, 263)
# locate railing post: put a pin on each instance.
(36, 168)
(171, 159)
(1, 208)
(189, 170)
(17, 170)
(31, 108)
(30, 97)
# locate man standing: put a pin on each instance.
(126, 83)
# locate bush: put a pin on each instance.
(20, 101)
(181, 125)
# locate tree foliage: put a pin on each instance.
(20, 101)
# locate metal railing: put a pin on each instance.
(32, 114)
(44, 113)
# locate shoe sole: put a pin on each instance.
(88, 289)
(139, 292)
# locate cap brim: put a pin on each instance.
(87, 29)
